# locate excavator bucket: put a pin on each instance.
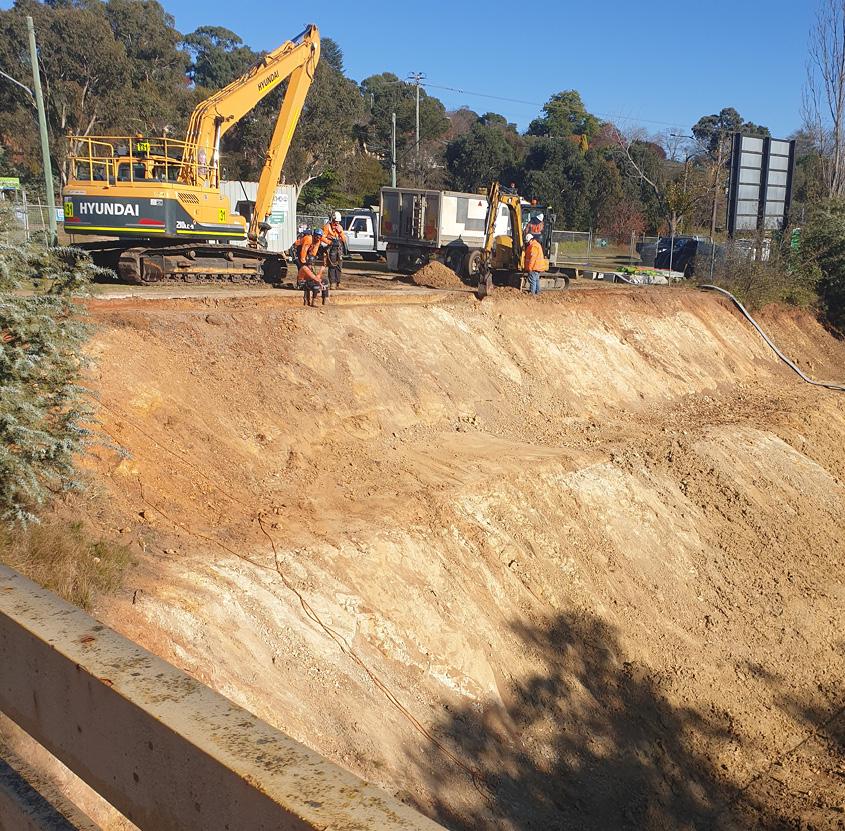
(485, 286)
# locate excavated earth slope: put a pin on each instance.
(574, 563)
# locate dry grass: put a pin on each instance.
(62, 557)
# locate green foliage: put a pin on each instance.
(43, 415)
(709, 129)
(324, 139)
(822, 256)
(218, 56)
(106, 67)
(564, 114)
(385, 94)
(480, 156)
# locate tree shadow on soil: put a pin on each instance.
(588, 743)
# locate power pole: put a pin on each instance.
(42, 128)
(416, 78)
(393, 153)
(717, 177)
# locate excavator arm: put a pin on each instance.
(295, 60)
(497, 196)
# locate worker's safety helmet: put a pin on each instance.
(529, 237)
(317, 232)
(336, 216)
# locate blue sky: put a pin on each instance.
(658, 63)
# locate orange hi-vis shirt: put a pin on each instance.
(534, 258)
(315, 245)
(304, 244)
(333, 230)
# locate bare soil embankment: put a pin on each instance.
(567, 564)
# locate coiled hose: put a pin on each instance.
(791, 364)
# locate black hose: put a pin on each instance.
(791, 364)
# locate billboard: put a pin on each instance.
(761, 184)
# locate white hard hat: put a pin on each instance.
(529, 237)
(336, 216)
(540, 217)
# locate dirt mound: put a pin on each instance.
(435, 275)
(571, 564)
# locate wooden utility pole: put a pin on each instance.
(42, 128)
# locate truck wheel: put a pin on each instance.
(370, 257)
(471, 263)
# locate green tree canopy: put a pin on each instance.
(218, 56)
(479, 156)
(564, 114)
(710, 128)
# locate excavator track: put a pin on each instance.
(189, 264)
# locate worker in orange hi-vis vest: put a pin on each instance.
(535, 263)
(334, 239)
(536, 225)
(303, 247)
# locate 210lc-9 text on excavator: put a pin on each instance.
(157, 201)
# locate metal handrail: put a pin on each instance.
(161, 159)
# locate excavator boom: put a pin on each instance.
(213, 118)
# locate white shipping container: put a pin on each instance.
(282, 219)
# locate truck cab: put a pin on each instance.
(362, 234)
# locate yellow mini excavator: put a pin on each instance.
(157, 201)
(503, 256)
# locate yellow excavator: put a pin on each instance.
(158, 200)
(503, 255)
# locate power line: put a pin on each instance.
(613, 116)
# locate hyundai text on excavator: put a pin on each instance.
(159, 199)
(503, 256)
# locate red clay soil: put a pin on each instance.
(576, 564)
(435, 275)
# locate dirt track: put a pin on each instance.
(575, 563)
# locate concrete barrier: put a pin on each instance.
(165, 750)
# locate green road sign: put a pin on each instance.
(10, 183)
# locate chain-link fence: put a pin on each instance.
(312, 220)
(571, 247)
(588, 250)
(22, 222)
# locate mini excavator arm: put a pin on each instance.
(295, 60)
(498, 196)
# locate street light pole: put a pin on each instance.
(42, 128)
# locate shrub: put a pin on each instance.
(758, 282)
(823, 256)
(43, 412)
